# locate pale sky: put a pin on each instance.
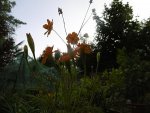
(36, 12)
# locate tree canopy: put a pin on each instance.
(8, 23)
(117, 29)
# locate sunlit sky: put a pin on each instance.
(36, 12)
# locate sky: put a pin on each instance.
(36, 12)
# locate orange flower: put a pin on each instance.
(48, 27)
(47, 52)
(65, 57)
(84, 48)
(72, 38)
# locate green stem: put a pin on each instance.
(16, 77)
(59, 36)
(84, 65)
(64, 24)
(97, 67)
(84, 19)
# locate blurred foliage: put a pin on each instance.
(121, 55)
(8, 23)
(117, 29)
(137, 76)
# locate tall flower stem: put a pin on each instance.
(59, 36)
(85, 65)
(98, 59)
(84, 19)
(97, 66)
(64, 24)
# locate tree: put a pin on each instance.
(124, 43)
(144, 39)
(8, 23)
(116, 30)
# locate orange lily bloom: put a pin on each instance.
(47, 52)
(65, 57)
(48, 27)
(72, 38)
(85, 48)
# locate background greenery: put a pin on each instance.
(118, 82)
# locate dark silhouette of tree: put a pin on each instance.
(144, 41)
(115, 30)
(8, 23)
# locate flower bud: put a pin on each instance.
(98, 57)
(31, 43)
(57, 54)
(91, 1)
(60, 11)
(26, 51)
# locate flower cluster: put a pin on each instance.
(74, 47)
